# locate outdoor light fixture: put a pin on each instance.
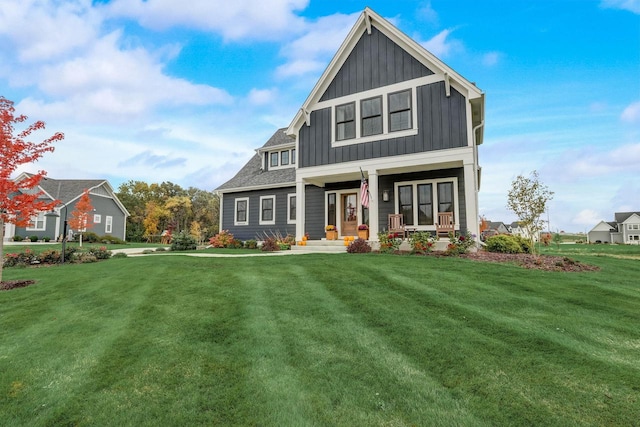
(385, 195)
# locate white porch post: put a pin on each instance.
(471, 198)
(300, 209)
(373, 205)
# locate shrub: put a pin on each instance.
(100, 252)
(17, 238)
(120, 255)
(460, 243)
(270, 244)
(504, 243)
(85, 258)
(236, 244)
(50, 256)
(389, 242)
(33, 238)
(112, 240)
(90, 237)
(18, 259)
(221, 240)
(251, 244)
(160, 249)
(359, 246)
(183, 242)
(422, 242)
(46, 239)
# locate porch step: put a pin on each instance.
(324, 246)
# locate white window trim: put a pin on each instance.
(384, 92)
(97, 218)
(108, 224)
(339, 206)
(280, 166)
(272, 221)
(633, 226)
(39, 218)
(235, 211)
(289, 220)
(434, 189)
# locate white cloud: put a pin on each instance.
(234, 20)
(587, 217)
(441, 45)
(490, 59)
(631, 114)
(428, 13)
(262, 96)
(630, 5)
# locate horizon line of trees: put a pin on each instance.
(167, 207)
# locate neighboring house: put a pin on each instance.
(625, 229)
(109, 217)
(386, 109)
(494, 228)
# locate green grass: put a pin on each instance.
(39, 247)
(320, 340)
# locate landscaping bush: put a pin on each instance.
(389, 242)
(221, 240)
(17, 238)
(90, 237)
(359, 246)
(251, 244)
(18, 258)
(460, 243)
(422, 242)
(100, 252)
(120, 255)
(183, 242)
(112, 240)
(505, 243)
(50, 256)
(46, 239)
(33, 238)
(270, 244)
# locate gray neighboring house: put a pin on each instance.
(385, 109)
(109, 217)
(625, 229)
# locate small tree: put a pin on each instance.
(80, 218)
(18, 202)
(528, 199)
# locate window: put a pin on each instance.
(284, 158)
(293, 156)
(420, 201)
(633, 226)
(37, 222)
(241, 212)
(97, 218)
(634, 238)
(108, 224)
(346, 121)
(274, 159)
(400, 111)
(291, 208)
(267, 210)
(331, 209)
(371, 112)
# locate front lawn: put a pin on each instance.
(320, 340)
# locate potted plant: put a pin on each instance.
(363, 231)
(331, 232)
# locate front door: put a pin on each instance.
(350, 214)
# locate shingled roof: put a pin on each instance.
(67, 190)
(252, 175)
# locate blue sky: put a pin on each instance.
(160, 90)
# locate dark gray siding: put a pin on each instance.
(315, 211)
(386, 182)
(49, 231)
(442, 125)
(374, 62)
(254, 229)
(107, 207)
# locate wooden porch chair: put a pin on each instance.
(396, 225)
(445, 223)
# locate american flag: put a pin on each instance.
(364, 193)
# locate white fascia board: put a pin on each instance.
(431, 160)
(601, 226)
(255, 187)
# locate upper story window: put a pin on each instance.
(346, 121)
(274, 159)
(400, 111)
(633, 226)
(284, 158)
(281, 158)
(371, 112)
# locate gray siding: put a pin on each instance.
(374, 62)
(315, 211)
(441, 125)
(254, 229)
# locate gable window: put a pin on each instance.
(293, 156)
(371, 112)
(284, 158)
(37, 222)
(346, 121)
(267, 210)
(241, 216)
(108, 224)
(633, 226)
(400, 111)
(420, 201)
(274, 159)
(291, 209)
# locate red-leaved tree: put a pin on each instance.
(17, 206)
(80, 218)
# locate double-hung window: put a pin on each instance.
(346, 121)
(267, 210)
(371, 112)
(274, 159)
(108, 224)
(291, 209)
(420, 201)
(284, 158)
(241, 216)
(37, 222)
(400, 111)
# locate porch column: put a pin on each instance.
(373, 205)
(471, 198)
(300, 209)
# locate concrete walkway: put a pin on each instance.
(137, 252)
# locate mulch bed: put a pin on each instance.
(534, 262)
(7, 285)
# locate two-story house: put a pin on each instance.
(386, 110)
(625, 229)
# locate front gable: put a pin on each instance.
(602, 226)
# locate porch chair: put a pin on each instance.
(396, 225)
(445, 223)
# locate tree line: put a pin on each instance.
(168, 208)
